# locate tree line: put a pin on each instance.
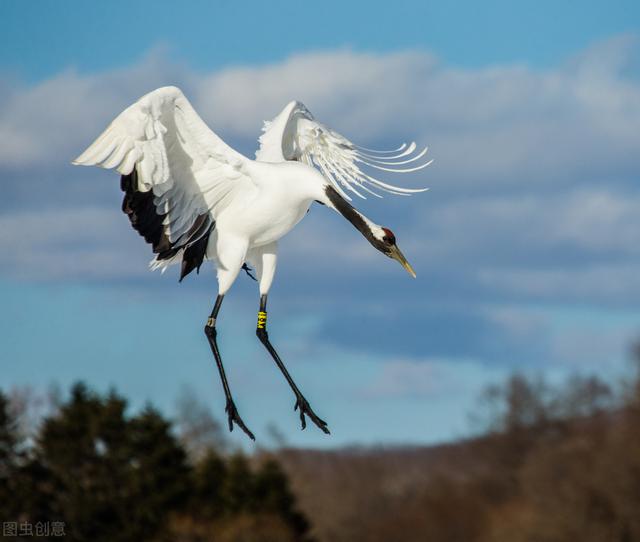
(548, 463)
(108, 476)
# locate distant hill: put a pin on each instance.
(562, 467)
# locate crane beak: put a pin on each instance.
(397, 255)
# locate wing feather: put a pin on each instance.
(163, 148)
(295, 135)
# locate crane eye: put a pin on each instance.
(389, 238)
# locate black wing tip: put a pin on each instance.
(145, 219)
(194, 254)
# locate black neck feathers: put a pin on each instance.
(353, 216)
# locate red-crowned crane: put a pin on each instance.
(192, 197)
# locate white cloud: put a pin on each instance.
(596, 348)
(532, 177)
(430, 378)
(502, 124)
(69, 243)
(594, 222)
(533, 203)
(364, 94)
(597, 284)
(46, 125)
(509, 130)
(402, 378)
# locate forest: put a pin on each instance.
(547, 463)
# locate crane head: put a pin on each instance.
(380, 237)
(386, 243)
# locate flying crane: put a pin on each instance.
(192, 197)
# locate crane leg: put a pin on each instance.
(301, 403)
(211, 333)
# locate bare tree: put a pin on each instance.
(198, 430)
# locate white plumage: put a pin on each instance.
(295, 135)
(193, 197)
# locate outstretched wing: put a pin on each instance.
(295, 135)
(177, 174)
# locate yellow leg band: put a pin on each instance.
(262, 320)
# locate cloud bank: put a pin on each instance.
(533, 197)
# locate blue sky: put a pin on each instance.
(526, 247)
(41, 38)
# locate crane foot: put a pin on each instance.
(232, 413)
(305, 409)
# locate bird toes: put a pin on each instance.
(305, 410)
(233, 416)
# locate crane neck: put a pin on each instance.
(364, 225)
